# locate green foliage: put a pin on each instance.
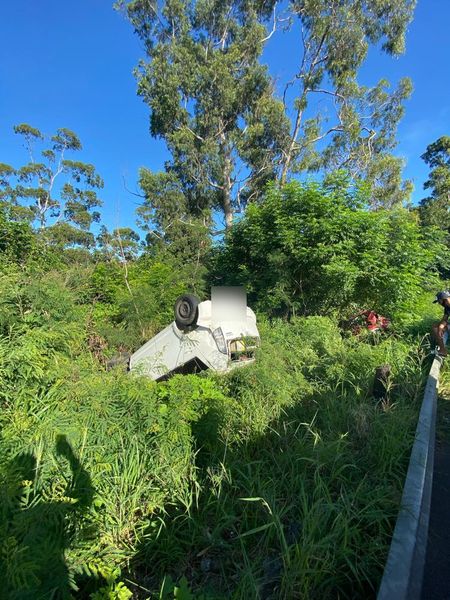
(169, 222)
(335, 39)
(109, 479)
(53, 187)
(434, 210)
(270, 480)
(133, 301)
(313, 249)
(63, 235)
(126, 448)
(291, 483)
(228, 134)
(388, 189)
(211, 101)
(113, 590)
(17, 241)
(121, 244)
(171, 591)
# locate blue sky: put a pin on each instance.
(69, 64)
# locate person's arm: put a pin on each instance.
(446, 314)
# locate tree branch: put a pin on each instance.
(58, 171)
(127, 283)
(196, 135)
(315, 61)
(329, 92)
(274, 27)
(129, 191)
(320, 137)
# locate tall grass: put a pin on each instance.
(280, 480)
(298, 496)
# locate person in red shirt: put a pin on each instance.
(441, 328)
(375, 321)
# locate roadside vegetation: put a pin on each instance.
(272, 479)
(280, 480)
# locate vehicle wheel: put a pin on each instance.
(186, 311)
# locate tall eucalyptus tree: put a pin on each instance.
(228, 132)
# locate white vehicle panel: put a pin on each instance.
(172, 348)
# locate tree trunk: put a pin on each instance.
(290, 152)
(227, 184)
(227, 208)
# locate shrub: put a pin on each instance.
(307, 250)
(128, 315)
(289, 459)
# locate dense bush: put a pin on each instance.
(312, 249)
(133, 302)
(300, 471)
(281, 479)
(103, 471)
(89, 459)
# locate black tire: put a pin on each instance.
(186, 311)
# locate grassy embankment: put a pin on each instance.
(280, 480)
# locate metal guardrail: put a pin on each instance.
(403, 573)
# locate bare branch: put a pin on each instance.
(43, 208)
(180, 220)
(129, 191)
(127, 283)
(329, 92)
(160, 21)
(153, 232)
(199, 137)
(320, 137)
(223, 39)
(298, 120)
(305, 45)
(215, 233)
(274, 27)
(30, 148)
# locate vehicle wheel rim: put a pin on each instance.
(184, 310)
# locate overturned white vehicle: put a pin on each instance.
(218, 334)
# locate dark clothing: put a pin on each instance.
(446, 311)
